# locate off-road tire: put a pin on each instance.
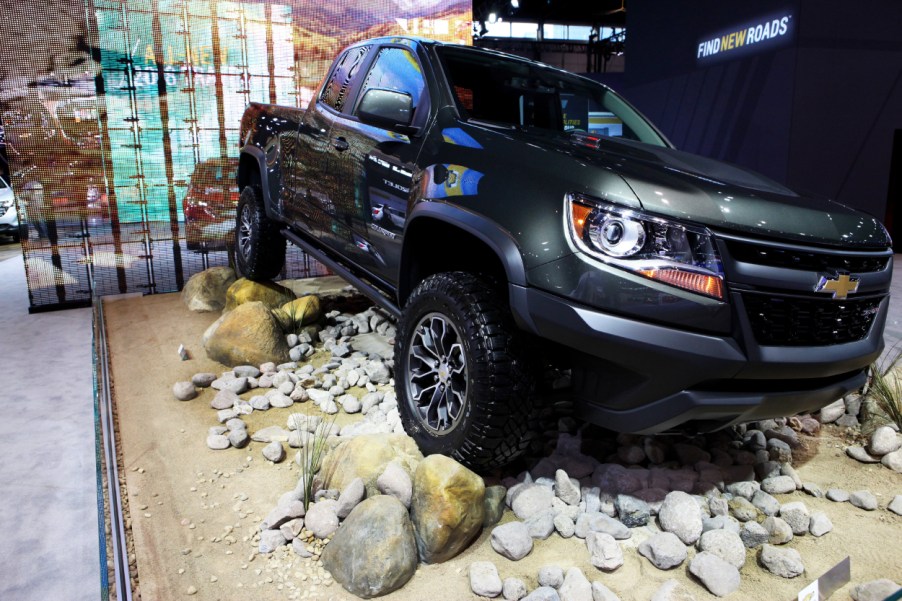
(498, 417)
(259, 247)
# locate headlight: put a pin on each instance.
(659, 249)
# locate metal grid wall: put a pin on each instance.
(121, 125)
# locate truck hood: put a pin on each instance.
(724, 197)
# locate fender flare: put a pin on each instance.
(489, 232)
(258, 157)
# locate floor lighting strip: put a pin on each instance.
(117, 519)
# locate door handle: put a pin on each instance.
(340, 144)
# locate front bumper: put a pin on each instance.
(631, 375)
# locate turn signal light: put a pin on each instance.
(708, 285)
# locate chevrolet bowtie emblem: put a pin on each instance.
(841, 286)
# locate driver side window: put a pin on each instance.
(396, 69)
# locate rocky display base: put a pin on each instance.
(752, 514)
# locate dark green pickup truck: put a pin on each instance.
(515, 216)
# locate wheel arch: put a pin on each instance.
(482, 247)
(252, 170)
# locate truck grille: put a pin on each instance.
(794, 321)
(805, 260)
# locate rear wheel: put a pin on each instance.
(259, 247)
(464, 384)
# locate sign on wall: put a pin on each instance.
(758, 35)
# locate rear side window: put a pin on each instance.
(396, 69)
(335, 92)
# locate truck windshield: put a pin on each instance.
(507, 91)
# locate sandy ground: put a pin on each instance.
(194, 511)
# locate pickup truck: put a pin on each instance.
(515, 216)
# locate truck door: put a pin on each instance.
(375, 165)
(312, 207)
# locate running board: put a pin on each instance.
(371, 291)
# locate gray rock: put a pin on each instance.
(681, 515)
(837, 495)
(552, 576)
(718, 506)
(350, 497)
(753, 535)
(766, 503)
(329, 407)
(832, 412)
(720, 522)
(797, 516)
(779, 450)
(238, 438)
(604, 552)
(282, 513)
(847, 421)
(781, 561)
(779, 532)
(349, 403)
(690, 454)
(484, 579)
(214, 430)
(543, 593)
(672, 590)
(270, 434)
(246, 371)
(602, 593)
(377, 372)
(224, 399)
(512, 540)
(664, 550)
(819, 524)
(203, 379)
(813, 489)
(396, 481)
(875, 590)
(861, 455)
(599, 522)
(374, 552)
(719, 576)
(274, 452)
(631, 511)
(745, 489)
(631, 454)
(270, 540)
(224, 415)
(853, 403)
(778, 485)
(280, 400)
(218, 442)
(565, 489)
(532, 499)
(513, 589)
(742, 509)
(863, 499)
(564, 525)
(322, 518)
(896, 505)
(292, 528)
(184, 391)
(766, 468)
(236, 385)
(493, 503)
(893, 461)
(260, 403)
(725, 544)
(236, 423)
(541, 525)
(576, 586)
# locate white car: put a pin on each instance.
(9, 219)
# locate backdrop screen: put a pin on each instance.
(120, 124)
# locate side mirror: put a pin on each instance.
(389, 109)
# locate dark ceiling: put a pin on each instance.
(609, 13)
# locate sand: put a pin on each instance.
(185, 501)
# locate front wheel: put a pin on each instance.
(463, 382)
(259, 247)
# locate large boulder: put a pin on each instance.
(303, 311)
(366, 457)
(206, 291)
(447, 508)
(246, 291)
(375, 551)
(249, 335)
